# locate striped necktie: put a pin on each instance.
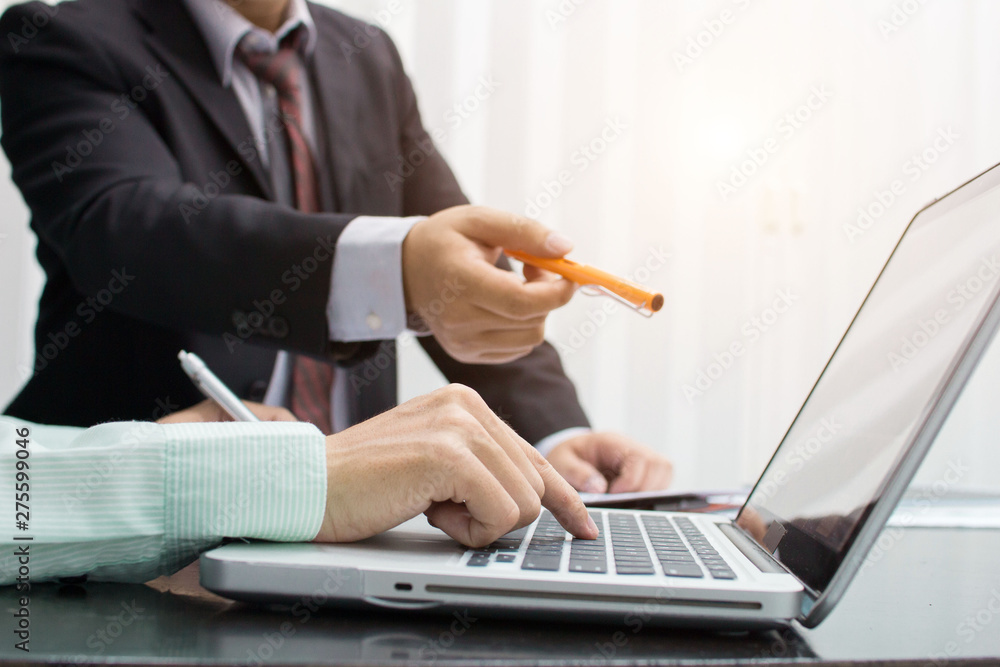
(311, 380)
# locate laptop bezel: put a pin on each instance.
(817, 605)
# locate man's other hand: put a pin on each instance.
(448, 456)
(481, 314)
(610, 463)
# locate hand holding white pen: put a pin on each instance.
(213, 388)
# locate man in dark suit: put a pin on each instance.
(246, 180)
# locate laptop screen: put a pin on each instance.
(835, 460)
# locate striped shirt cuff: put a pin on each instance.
(261, 480)
(129, 501)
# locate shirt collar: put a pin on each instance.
(223, 28)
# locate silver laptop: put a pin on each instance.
(802, 534)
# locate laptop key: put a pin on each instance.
(511, 541)
(682, 570)
(596, 567)
(541, 562)
(722, 574)
(506, 558)
(630, 551)
(678, 560)
(634, 569)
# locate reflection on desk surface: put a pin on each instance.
(923, 595)
(927, 506)
(74, 624)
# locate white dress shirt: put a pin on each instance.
(366, 287)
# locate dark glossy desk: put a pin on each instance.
(931, 592)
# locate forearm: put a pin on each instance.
(262, 262)
(130, 501)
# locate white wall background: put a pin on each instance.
(897, 72)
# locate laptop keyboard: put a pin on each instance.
(675, 544)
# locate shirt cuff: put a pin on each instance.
(366, 286)
(550, 442)
(262, 480)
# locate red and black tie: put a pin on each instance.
(311, 380)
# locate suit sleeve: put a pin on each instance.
(108, 196)
(532, 394)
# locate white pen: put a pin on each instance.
(213, 388)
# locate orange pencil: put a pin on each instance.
(641, 298)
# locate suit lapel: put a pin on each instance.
(337, 105)
(177, 40)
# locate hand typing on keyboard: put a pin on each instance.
(449, 456)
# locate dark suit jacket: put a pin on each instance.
(157, 227)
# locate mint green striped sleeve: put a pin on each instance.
(130, 501)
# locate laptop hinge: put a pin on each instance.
(764, 561)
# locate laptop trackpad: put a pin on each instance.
(414, 543)
(415, 536)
